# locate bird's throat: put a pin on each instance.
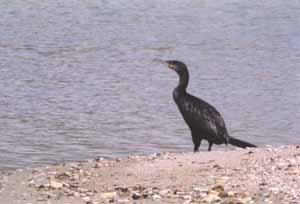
(183, 81)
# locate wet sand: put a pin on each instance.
(260, 175)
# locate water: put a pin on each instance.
(78, 80)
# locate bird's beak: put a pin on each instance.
(166, 63)
(171, 66)
(162, 62)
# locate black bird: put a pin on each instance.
(204, 121)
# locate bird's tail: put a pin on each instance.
(240, 143)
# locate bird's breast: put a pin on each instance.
(176, 95)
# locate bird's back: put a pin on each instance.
(201, 117)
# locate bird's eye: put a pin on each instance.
(171, 65)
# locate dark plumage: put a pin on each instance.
(204, 121)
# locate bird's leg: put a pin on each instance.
(209, 146)
(197, 142)
(196, 148)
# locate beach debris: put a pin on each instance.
(164, 192)
(136, 196)
(109, 195)
(156, 197)
(55, 184)
(86, 199)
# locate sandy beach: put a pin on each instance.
(260, 175)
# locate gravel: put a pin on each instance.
(238, 176)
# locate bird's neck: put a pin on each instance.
(183, 81)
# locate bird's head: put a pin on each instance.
(176, 65)
(181, 69)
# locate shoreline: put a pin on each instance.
(256, 175)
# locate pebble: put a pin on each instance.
(187, 197)
(122, 201)
(136, 196)
(75, 166)
(55, 184)
(39, 182)
(230, 193)
(109, 195)
(86, 199)
(64, 175)
(200, 189)
(164, 192)
(187, 202)
(41, 199)
(156, 197)
(211, 198)
(76, 194)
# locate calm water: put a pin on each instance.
(78, 81)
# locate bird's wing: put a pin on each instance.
(215, 121)
(202, 116)
(209, 120)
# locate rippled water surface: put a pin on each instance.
(78, 80)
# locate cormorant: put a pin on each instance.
(204, 121)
